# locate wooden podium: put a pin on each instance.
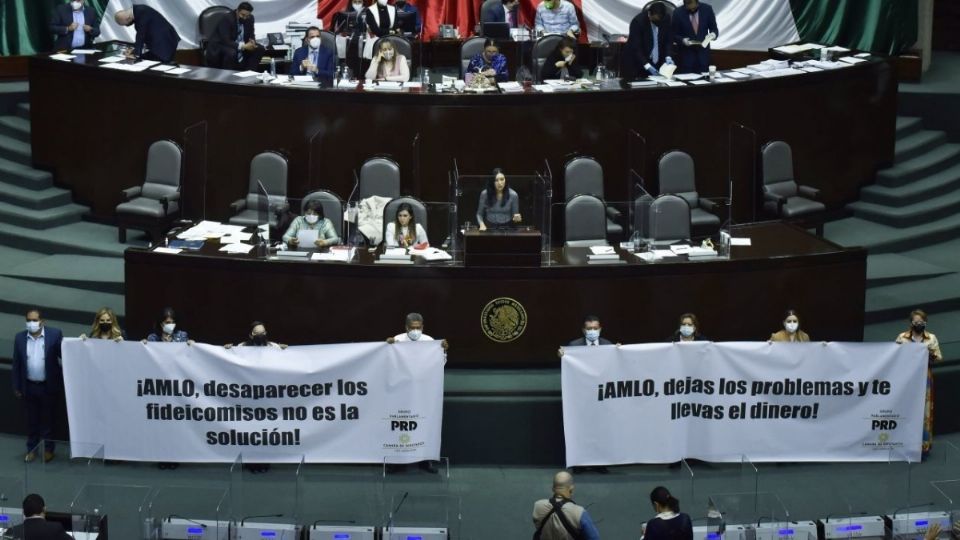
(505, 247)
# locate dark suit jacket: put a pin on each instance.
(63, 17)
(52, 338)
(492, 11)
(226, 34)
(639, 45)
(693, 59)
(326, 63)
(155, 32)
(551, 71)
(582, 342)
(38, 529)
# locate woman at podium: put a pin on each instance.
(499, 206)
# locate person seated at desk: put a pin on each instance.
(105, 326)
(313, 58)
(233, 44)
(312, 220)
(387, 65)
(557, 17)
(791, 332)
(499, 206)
(689, 329)
(561, 63)
(504, 11)
(404, 231)
(649, 43)
(489, 63)
(75, 26)
(35, 525)
(156, 37)
(691, 26)
(406, 7)
(380, 19)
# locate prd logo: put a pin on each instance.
(404, 439)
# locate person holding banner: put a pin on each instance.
(917, 333)
(414, 331)
(166, 330)
(105, 326)
(670, 523)
(791, 332)
(257, 338)
(689, 329)
(559, 518)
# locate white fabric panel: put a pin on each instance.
(271, 16)
(746, 25)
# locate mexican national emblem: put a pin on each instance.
(503, 319)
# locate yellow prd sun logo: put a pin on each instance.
(503, 320)
(404, 439)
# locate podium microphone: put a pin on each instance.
(242, 521)
(171, 516)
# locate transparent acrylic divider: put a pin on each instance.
(74, 465)
(235, 480)
(123, 508)
(532, 191)
(416, 497)
(743, 191)
(11, 497)
(193, 192)
(948, 498)
(341, 496)
(250, 507)
(900, 479)
(183, 511)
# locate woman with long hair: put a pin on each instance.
(499, 205)
(404, 231)
(105, 326)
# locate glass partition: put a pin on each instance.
(11, 497)
(277, 514)
(193, 192)
(338, 499)
(122, 509)
(744, 194)
(416, 493)
(74, 465)
(182, 512)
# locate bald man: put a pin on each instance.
(559, 518)
(154, 33)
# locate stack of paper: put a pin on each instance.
(852, 60)
(336, 254)
(178, 71)
(797, 48)
(779, 73)
(62, 57)
(432, 254)
(384, 86)
(245, 74)
(688, 76)
(112, 59)
(736, 75)
(642, 84)
(85, 51)
(768, 65)
(602, 253)
(236, 248)
(395, 253)
(511, 86)
(680, 249)
(701, 253)
(347, 84)
(210, 229)
(169, 251)
(413, 84)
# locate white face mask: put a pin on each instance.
(686, 330)
(414, 335)
(312, 218)
(314, 43)
(76, 5)
(592, 335)
(33, 326)
(382, 2)
(168, 328)
(388, 55)
(357, 6)
(791, 327)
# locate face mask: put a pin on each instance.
(568, 59)
(382, 2)
(357, 6)
(791, 327)
(414, 335)
(919, 326)
(260, 340)
(168, 328)
(314, 43)
(106, 327)
(76, 6)
(388, 55)
(33, 326)
(686, 330)
(312, 218)
(592, 335)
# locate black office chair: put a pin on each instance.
(541, 50)
(678, 177)
(379, 176)
(270, 170)
(782, 196)
(585, 222)
(328, 40)
(206, 24)
(669, 217)
(583, 175)
(154, 205)
(469, 49)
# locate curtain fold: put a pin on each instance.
(25, 25)
(879, 26)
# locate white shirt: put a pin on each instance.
(405, 337)
(36, 357)
(391, 238)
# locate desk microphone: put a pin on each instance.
(918, 505)
(242, 521)
(350, 521)
(404, 498)
(850, 514)
(185, 519)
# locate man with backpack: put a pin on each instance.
(559, 518)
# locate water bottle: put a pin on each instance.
(425, 76)
(273, 67)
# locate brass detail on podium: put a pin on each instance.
(503, 319)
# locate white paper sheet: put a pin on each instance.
(667, 70)
(306, 238)
(84, 51)
(602, 250)
(162, 68)
(170, 251)
(178, 71)
(62, 57)
(740, 242)
(244, 74)
(432, 254)
(112, 59)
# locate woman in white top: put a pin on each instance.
(404, 231)
(388, 65)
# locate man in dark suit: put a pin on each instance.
(649, 43)
(233, 44)
(35, 525)
(591, 334)
(38, 380)
(313, 58)
(153, 32)
(498, 11)
(75, 26)
(691, 25)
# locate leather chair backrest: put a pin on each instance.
(484, 6)
(379, 176)
(669, 5)
(669, 218)
(328, 40)
(585, 219)
(332, 207)
(390, 212)
(778, 178)
(164, 168)
(582, 175)
(471, 48)
(207, 21)
(541, 50)
(678, 176)
(269, 168)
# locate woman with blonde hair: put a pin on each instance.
(105, 326)
(917, 333)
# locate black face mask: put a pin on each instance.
(260, 340)
(919, 326)
(106, 327)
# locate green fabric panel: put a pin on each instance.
(25, 25)
(879, 26)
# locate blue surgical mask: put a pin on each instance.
(33, 326)
(686, 330)
(592, 335)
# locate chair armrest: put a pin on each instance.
(238, 205)
(708, 205)
(808, 192)
(131, 192)
(613, 213)
(165, 201)
(773, 197)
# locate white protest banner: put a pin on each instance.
(658, 403)
(350, 403)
